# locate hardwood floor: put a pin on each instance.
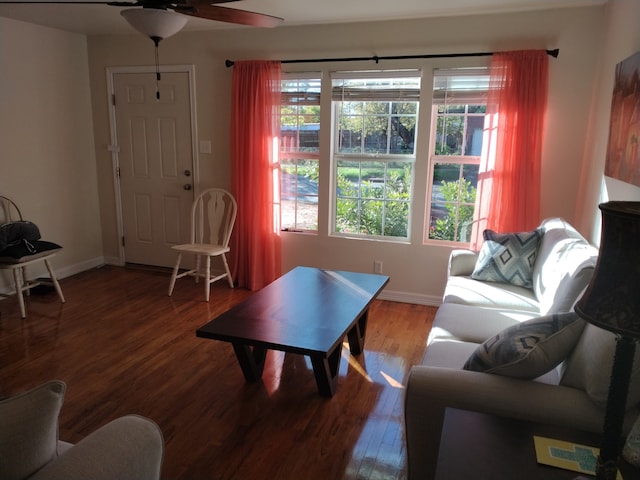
(123, 346)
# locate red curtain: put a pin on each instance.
(255, 243)
(508, 196)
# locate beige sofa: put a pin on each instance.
(476, 315)
(127, 448)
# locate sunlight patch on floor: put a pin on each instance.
(354, 363)
(391, 381)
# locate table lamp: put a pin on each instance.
(612, 302)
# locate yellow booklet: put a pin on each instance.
(567, 455)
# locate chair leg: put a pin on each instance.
(172, 283)
(23, 282)
(198, 271)
(54, 280)
(226, 267)
(16, 278)
(207, 278)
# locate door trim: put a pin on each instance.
(114, 148)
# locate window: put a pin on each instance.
(375, 122)
(299, 151)
(459, 106)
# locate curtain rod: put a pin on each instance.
(554, 53)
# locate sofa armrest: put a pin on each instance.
(430, 390)
(462, 262)
(130, 447)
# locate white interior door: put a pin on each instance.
(155, 164)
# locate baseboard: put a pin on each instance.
(71, 270)
(407, 297)
(7, 286)
(113, 261)
(390, 295)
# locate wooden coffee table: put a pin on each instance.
(307, 311)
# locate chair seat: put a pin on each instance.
(201, 248)
(16, 254)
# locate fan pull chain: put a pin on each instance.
(156, 41)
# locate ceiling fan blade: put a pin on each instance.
(162, 4)
(206, 9)
(73, 2)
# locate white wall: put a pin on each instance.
(47, 161)
(621, 40)
(56, 64)
(417, 271)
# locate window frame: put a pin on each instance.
(361, 158)
(462, 96)
(299, 156)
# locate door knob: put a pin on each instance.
(187, 186)
(187, 173)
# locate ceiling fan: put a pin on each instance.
(207, 9)
(159, 19)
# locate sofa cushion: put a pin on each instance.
(29, 426)
(507, 257)
(448, 354)
(563, 268)
(472, 324)
(467, 291)
(589, 367)
(529, 349)
(453, 354)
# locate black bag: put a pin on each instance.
(14, 233)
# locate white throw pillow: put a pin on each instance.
(529, 349)
(589, 367)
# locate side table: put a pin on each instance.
(477, 445)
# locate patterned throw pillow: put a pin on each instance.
(507, 257)
(529, 349)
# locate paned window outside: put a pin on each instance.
(299, 151)
(457, 132)
(374, 141)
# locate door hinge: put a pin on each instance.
(123, 240)
(118, 172)
(113, 99)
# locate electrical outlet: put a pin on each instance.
(377, 266)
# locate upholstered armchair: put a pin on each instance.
(129, 447)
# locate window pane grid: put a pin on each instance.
(373, 197)
(376, 128)
(458, 131)
(374, 152)
(299, 194)
(453, 195)
(299, 153)
(458, 113)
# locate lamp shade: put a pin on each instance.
(153, 22)
(612, 299)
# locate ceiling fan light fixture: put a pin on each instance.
(154, 22)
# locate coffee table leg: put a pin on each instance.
(325, 370)
(357, 333)
(251, 360)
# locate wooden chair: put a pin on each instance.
(213, 215)
(18, 256)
